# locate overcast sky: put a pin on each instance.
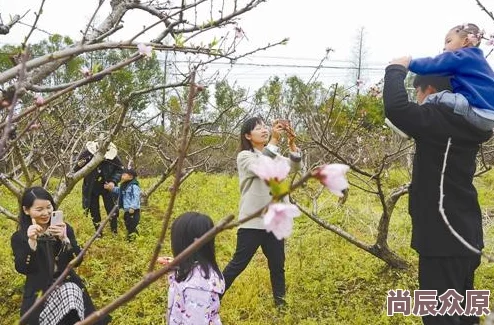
(392, 28)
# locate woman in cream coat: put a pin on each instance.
(255, 194)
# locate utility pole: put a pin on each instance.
(163, 103)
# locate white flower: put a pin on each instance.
(279, 219)
(267, 169)
(85, 71)
(333, 177)
(145, 50)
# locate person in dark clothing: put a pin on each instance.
(444, 262)
(42, 251)
(108, 171)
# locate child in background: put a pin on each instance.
(129, 198)
(472, 76)
(197, 283)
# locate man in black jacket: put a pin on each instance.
(444, 262)
(108, 171)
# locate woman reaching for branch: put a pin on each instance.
(255, 194)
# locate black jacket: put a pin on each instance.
(37, 266)
(431, 125)
(107, 171)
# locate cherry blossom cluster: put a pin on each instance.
(376, 90)
(279, 216)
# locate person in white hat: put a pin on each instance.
(108, 171)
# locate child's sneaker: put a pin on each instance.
(131, 237)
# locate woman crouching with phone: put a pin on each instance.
(42, 251)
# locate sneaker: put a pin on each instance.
(280, 303)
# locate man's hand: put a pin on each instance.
(131, 211)
(404, 61)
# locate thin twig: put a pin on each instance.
(37, 14)
(443, 214)
(178, 171)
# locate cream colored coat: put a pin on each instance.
(253, 190)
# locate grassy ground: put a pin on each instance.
(329, 281)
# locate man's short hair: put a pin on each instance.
(439, 82)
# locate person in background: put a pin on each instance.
(129, 198)
(255, 194)
(445, 263)
(197, 283)
(109, 171)
(42, 251)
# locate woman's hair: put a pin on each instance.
(185, 230)
(469, 29)
(28, 197)
(247, 127)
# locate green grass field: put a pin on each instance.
(329, 281)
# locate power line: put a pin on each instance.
(299, 58)
(280, 65)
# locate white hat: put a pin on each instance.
(111, 152)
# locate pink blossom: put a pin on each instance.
(85, 71)
(39, 100)
(239, 32)
(145, 50)
(359, 83)
(267, 168)
(333, 177)
(279, 219)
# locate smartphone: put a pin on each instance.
(56, 217)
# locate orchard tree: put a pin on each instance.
(60, 93)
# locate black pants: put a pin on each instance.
(443, 273)
(248, 241)
(132, 220)
(108, 202)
